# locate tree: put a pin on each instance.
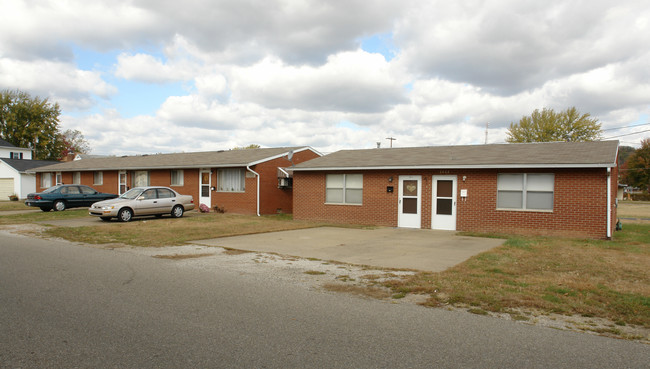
(637, 168)
(74, 142)
(31, 122)
(251, 146)
(624, 152)
(550, 126)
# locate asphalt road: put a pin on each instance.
(69, 306)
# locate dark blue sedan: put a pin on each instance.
(61, 197)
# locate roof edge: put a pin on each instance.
(504, 166)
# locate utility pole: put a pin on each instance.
(487, 126)
(391, 141)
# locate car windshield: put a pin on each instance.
(131, 194)
(52, 189)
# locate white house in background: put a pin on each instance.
(10, 151)
(14, 164)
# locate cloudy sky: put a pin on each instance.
(156, 76)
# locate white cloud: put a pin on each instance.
(350, 81)
(62, 82)
(508, 46)
(146, 68)
(47, 29)
(211, 84)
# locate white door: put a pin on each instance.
(205, 182)
(410, 204)
(122, 188)
(444, 203)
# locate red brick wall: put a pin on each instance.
(580, 199)
(272, 199)
(109, 184)
(237, 202)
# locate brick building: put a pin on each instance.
(250, 181)
(560, 188)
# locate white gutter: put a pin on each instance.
(258, 187)
(609, 203)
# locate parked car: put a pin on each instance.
(61, 197)
(140, 201)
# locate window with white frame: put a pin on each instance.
(231, 180)
(76, 178)
(177, 177)
(46, 180)
(344, 189)
(59, 178)
(140, 178)
(525, 191)
(98, 178)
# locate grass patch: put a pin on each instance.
(477, 311)
(633, 209)
(228, 251)
(315, 272)
(169, 232)
(606, 279)
(14, 205)
(181, 256)
(41, 216)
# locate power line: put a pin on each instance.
(638, 125)
(628, 134)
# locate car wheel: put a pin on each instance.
(106, 219)
(177, 211)
(125, 215)
(59, 205)
(45, 209)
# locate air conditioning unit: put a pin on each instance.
(284, 182)
(285, 179)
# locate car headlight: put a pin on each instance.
(110, 207)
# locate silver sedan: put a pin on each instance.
(141, 201)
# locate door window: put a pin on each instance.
(445, 190)
(205, 184)
(410, 197)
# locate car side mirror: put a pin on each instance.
(140, 198)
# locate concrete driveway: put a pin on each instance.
(400, 248)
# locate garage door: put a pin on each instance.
(6, 188)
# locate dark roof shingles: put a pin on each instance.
(22, 165)
(492, 155)
(179, 160)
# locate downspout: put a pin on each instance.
(609, 203)
(258, 188)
